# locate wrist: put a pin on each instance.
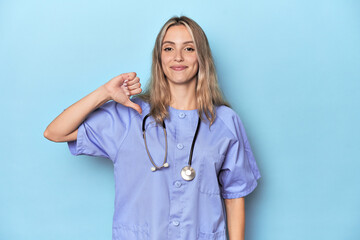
(104, 93)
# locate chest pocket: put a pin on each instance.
(220, 235)
(212, 220)
(210, 164)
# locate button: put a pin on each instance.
(181, 115)
(180, 146)
(177, 184)
(176, 223)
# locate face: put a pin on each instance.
(178, 56)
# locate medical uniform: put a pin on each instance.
(161, 205)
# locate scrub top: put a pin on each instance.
(161, 205)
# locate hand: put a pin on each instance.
(121, 87)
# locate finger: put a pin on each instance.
(134, 86)
(136, 91)
(125, 89)
(130, 76)
(134, 106)
(133, 81)
(120, 79)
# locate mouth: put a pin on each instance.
(178, 68)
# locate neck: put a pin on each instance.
(183, 96)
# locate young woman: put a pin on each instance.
(179, 151)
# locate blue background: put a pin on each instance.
(291, 70)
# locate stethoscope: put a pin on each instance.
(187, 172)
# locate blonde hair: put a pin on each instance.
(207, 91)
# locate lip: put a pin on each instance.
(178, 68)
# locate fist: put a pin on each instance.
(122, 87)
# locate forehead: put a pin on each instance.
(177, 34)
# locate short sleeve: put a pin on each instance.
(102, 132)
(239, 172)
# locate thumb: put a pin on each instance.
(134, 106)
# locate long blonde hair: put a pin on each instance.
(207, 91)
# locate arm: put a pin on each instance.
(64, 127)
(235, 212)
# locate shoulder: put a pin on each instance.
(229, 118)
(227, 114)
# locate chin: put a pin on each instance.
(181, 80)
(180, 77)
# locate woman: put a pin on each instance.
(178, 149)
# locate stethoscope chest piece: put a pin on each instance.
(188, 173)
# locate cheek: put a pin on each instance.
(195, 64)
(194, 60)
(165, 65)
(164, 61)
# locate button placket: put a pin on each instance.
(182, 120)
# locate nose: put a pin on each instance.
(178, 56)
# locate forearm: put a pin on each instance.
(235, 211)
(70, 119)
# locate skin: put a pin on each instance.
(235, 216)
(180, 64)
(64, 127)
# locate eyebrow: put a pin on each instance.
(174, 43)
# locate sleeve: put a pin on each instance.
(102, 132)
(239, 172)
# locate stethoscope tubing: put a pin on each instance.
(166, 145)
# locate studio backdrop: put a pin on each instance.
(290, 69)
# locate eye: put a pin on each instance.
(167, 49)
(189, 49)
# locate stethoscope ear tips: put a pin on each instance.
(165, 165)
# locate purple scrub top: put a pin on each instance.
(161, 205)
